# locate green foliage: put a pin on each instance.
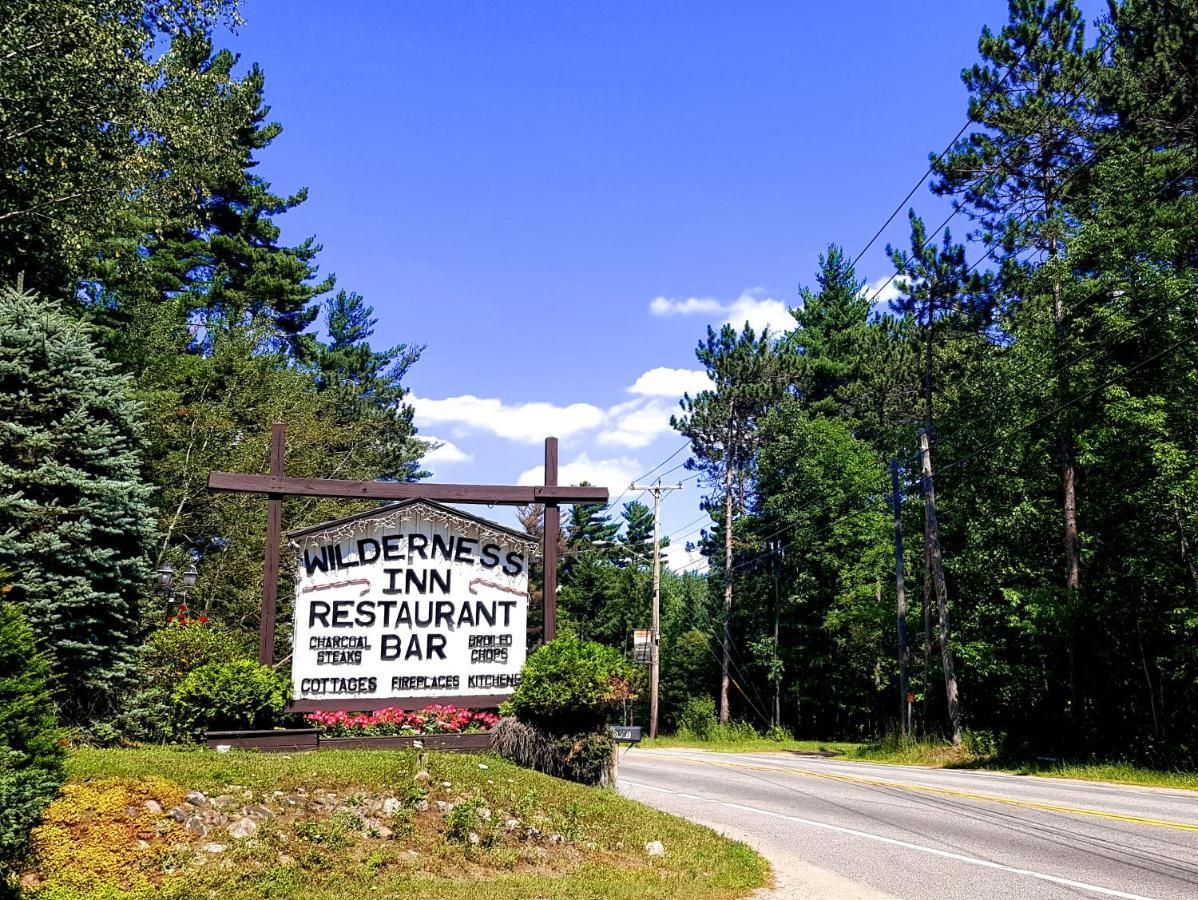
(570, 686)
(31, 752)
(75, 519)
(697, 719)
(227, 695)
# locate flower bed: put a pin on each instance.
(436, 719)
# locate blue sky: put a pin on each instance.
(556, 198)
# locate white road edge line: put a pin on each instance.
(971, 860)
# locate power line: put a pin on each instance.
(940, 156)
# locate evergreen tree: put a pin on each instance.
(1032, 94)
(831, 331)
(75, 518)
(366, 386)
(749, 375)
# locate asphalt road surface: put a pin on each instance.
(841, 829)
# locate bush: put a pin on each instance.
(31, 751)
(982, 744)
(238, 694)
(585, 757)
(697, 719)
(570, 686)
(171, 653)
(167, 657)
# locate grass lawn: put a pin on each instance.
(753, 745)
(944, 756)
(355, 824)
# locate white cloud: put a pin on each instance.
(527, 423)
(753, 306)
(665, 382)
(613, 474)
(679, 559)
(759, 311)
(637, 423)
(448, 452)
(664, 306)
(886, 288)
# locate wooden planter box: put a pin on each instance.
(280, 741)
(293, 739)
(462, 743)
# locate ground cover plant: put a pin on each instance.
(173, 823)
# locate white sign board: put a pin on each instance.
(414, 600)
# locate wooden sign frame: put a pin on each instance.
(276, 486)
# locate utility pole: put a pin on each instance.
(901, 589)
(946, 652)
(656, 489)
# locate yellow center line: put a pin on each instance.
(942, 792)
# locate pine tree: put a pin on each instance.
(1019, 173)
(75, 519)
(831, 332)
(750, 374)
(366, 386)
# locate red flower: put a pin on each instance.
(203, 619)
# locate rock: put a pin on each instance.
(258, 812)
(391, 806)
(655, 848)
(296, 800)
(533, 833)
(30, 880)
(153, 806)
(243, 828)
(473, 839)
(285, 860)
(511, 824)
(196, 826)
(178, 813)
(143, 845)
(412, 855)
(446, 785)
(213, 818)
(619, 845)
(371, 824)
(483, 814)
(483, 766)
(196, 798)
(421, 805)
(556, 839)
(215, 848)
(224, 801)
(442, 807)
(384, 832)
(421, 776)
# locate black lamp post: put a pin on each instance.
(166, 584)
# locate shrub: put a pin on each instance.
(238, 694)
(172, 652)
(697, 719)
(31, 751)
(167, 657)
(569, 686)
(585, 757)
(982, 744)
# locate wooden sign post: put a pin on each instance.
(276, 486)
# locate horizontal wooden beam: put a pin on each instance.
(500, 494)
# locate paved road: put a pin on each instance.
(840, 829)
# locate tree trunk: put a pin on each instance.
(946, 652)
(1073, 556)
(726, 662)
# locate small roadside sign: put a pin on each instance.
(642, 646)
(626, 734)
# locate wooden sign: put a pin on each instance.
(407, 604)
(276, 486)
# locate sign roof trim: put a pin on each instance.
(390, 508)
